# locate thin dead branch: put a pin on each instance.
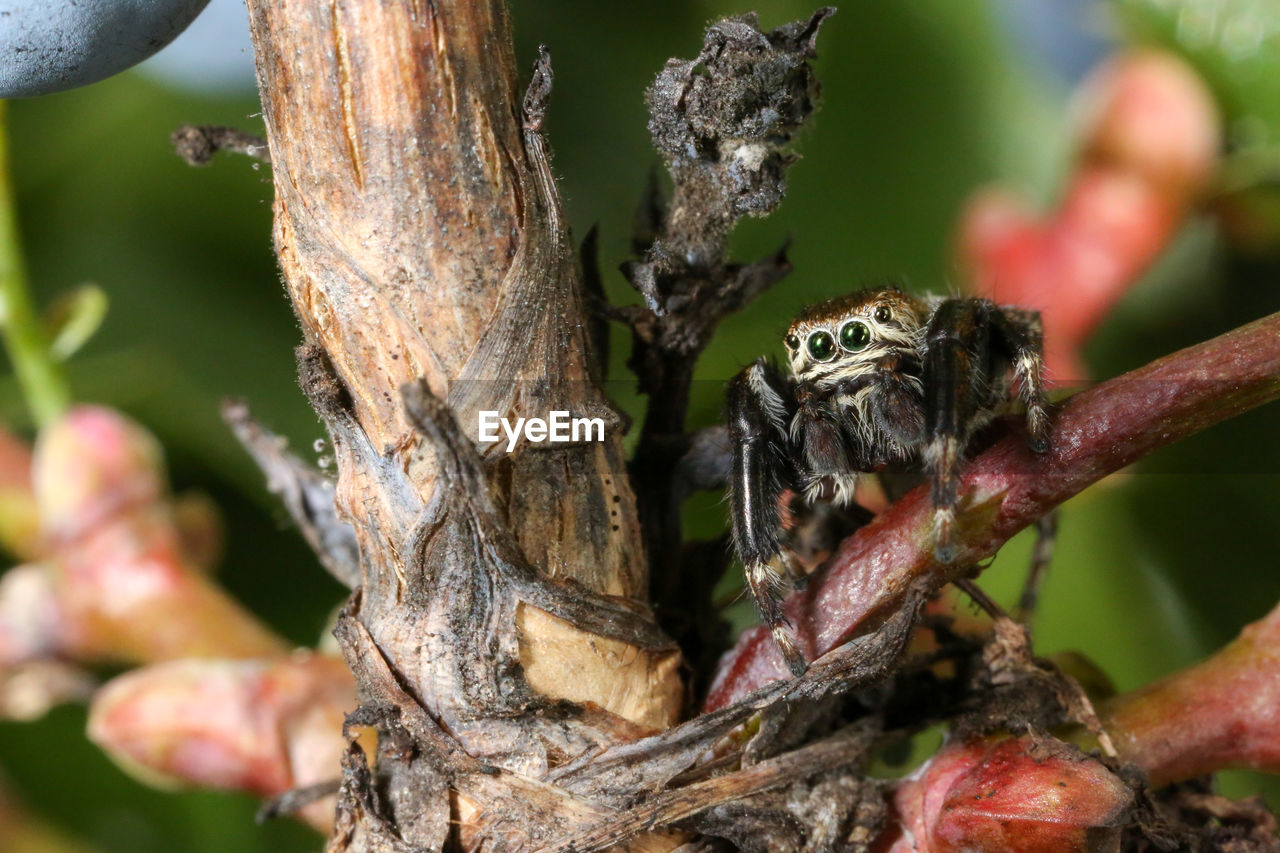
(841, 751)
(198, 143)
(307, 494)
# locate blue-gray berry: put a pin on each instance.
(50, 45)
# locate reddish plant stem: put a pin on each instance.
(1222, 712)
(1095, 433)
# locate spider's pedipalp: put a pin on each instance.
(896, 416)
(845, 489)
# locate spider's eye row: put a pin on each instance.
(882, 313)
(822, 346)
(855, 335)
(793, 343)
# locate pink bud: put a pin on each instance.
(129, 595)
(1149, 112)
(32, 622)
(92, 465)
(1149, 146)
(1074, 267)
(1021, 795)
(123, 585)
(259, 726)
(28, 690)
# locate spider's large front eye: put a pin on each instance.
(822, 346)
(855, 335)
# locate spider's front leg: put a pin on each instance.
(760, 404)
(970, 345)
(1020, 334)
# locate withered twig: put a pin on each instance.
(306, 493)
(295, 800)
(1095, 433)
(668, 807)
(1041, 556)
(198, 143)
(722, 123)
(1008, 659)
(651, 763)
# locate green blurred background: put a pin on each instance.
(923, 101)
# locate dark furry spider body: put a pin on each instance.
(877, 378)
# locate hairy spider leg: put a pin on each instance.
(760, 401)
(1021, 334)
(957, 359)
(969, 346)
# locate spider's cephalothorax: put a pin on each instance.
(875, 378)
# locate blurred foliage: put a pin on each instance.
(923, 101)
(1235, 44)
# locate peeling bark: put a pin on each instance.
(421, 239)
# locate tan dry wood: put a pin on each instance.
(421, 237)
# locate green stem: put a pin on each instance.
(41, 378)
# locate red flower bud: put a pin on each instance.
(259, 726)
(1020, 795)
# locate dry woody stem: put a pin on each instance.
(421, 239)
(499, 630)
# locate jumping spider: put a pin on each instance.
(879, 378)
